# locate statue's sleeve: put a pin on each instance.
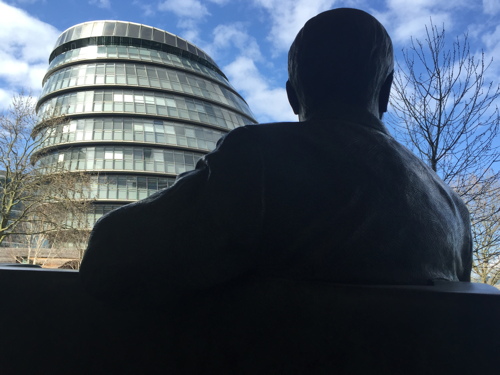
(201, 232)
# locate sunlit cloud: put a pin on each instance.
(220, 2)
(288, 17)
(25, 1)
(5, 99)
(147, 8)
(26, 45)
(189, 13)
(491, 7)
(105, 4)
(268, 103)
(404, 21)
(492, 53)
(225, 37)
(190, 9)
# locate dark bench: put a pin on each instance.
(266, 326)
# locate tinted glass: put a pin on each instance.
(133, 30)
(158, 36)
(109, 28)
(146, 32)
(170, 39)
(97, 29)
(120, 29)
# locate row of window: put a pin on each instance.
(135, 54)
(131, 30)
(142, 102)
(144, 76)
(123, 187)
(120, 158)
(99, 210)
(95, 212)
(131, 129)
(128, 187)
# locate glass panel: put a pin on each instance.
(133, 30)
(109, 28)
(158, 36)
(191, 48)
(120, 29)
(77, 32)
(146, 32)
(170, 39)
(69, 35)
(97, 29)
(181, 44)
(86, 30)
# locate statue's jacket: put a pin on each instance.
(335, 200)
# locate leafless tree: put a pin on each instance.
(485, 217)
(446, 111)
(58, 228)
(35, 205)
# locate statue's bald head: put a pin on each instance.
(344, 56)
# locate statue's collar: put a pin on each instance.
(349, 114)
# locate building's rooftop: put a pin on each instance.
(128, 30)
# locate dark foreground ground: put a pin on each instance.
(49, 325)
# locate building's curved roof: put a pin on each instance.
(129, 30)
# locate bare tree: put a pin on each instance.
(58, 228)
(36, 206)
(446, 111)
(485, 217)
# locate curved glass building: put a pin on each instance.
(143, 106)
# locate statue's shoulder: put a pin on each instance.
(272, 127)
(260, 132)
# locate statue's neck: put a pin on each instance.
(334, 110)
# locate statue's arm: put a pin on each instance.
(201, 232)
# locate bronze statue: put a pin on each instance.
(333, 197)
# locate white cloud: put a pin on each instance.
(189, 13)
(233, 35)
(26, 1)
(24, 51)
(491, 7)
(404, 21)
(191, 9)
(288, 17)
(267, 103)
(5, 99)
(191, 31)
(219, 2)
(105, 4)
(415, 27)
(147, 9)
(492, 52)
(492, 39)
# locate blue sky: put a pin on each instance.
(248, 39)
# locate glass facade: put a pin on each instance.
(128, 129)
(142, 105)
(120, 158)
(134, 54)
(150, 103)
(139, 75)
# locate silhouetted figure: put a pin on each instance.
(333, 197)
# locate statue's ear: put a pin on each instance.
(385, 92)
(292, 98)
